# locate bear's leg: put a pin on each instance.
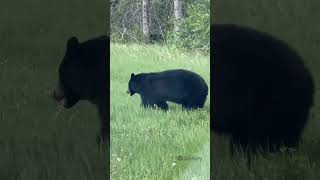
(104, 126)
(163, 105)
(194, 102)
(155, 104)
(185, 107)
(146, 103)
(189, 106)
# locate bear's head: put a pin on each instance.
(82, 72)
(134, 84)
(64, 92)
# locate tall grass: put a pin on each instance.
(150, 143)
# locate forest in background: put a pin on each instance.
(180, 23)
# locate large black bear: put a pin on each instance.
(179, 86)
(262, 91)
(83, 75)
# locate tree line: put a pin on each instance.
(182, 23)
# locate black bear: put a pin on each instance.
(262, 91)
(83, 75)
(179, 86)
(156, 37)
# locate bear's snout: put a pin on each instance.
(130, 92)
(57, 94)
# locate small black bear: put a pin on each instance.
(156, 38)
(83, 75)
(179, 86)
(262, 90)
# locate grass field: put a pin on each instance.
(149, 143)
(38, 139)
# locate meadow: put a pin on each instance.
(38, 138)
(150, 143)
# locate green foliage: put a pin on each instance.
(195, 30)
(126, 23)
(296, 164)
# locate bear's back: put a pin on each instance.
(178, 77)
(175, 85)
(96, 51)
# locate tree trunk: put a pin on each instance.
(145, 19)
(178, 13)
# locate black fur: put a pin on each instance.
(262, 90)
(83, 75)
(179, 86)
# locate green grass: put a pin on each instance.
(302, 163)
(147, 143)
(38, 138)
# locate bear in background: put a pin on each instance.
(83, 75)
(178, 86)
(262, 90)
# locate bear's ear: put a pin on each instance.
(72, 45)
(132, 75)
